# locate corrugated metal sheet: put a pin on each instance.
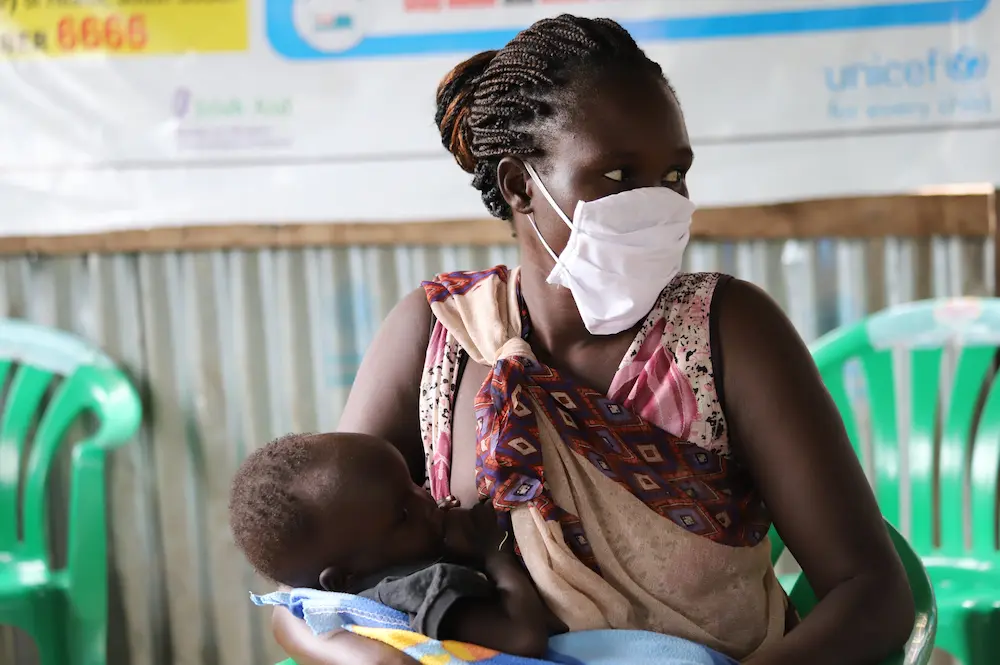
(233, 348)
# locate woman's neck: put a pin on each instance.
(556, 324)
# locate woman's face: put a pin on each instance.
(620, 132)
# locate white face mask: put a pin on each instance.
(622, 252)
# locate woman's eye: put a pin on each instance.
(617, 175)
(674, 177)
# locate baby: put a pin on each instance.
(339, 512)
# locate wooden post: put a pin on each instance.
(995, 233)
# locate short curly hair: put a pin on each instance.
(272, 505)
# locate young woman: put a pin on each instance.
(574, 136)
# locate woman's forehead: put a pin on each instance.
(621, 115)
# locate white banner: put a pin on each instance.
(121, 114)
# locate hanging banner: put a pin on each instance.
(71, 28)
(118, 114)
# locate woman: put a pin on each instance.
(572, 111)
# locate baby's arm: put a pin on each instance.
(515, 621)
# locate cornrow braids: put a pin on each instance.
(489, 106)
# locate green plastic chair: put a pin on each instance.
(65, 610)
(901, 353)
(920, 646)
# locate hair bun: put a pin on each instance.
(454, 106)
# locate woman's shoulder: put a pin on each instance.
(698, 309)
(743, 308)
(384, 398)
(717, 327)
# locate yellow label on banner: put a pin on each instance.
(59, 28)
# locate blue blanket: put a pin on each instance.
(324, 611)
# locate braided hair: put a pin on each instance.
(490, 106)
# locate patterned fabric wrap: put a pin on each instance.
(700, 490)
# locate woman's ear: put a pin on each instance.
(334, 579)
(515, 184)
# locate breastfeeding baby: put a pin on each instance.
(339, 512)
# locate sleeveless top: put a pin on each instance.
(589, 560)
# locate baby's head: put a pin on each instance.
(322, 510)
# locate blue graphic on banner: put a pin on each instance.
(942, 84)
(312, 29)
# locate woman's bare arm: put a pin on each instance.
(384, 399)
(384, 402)
(785, 426)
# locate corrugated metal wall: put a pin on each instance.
(233, 348)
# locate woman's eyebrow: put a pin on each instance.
(683, 154)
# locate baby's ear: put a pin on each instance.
(334, 579)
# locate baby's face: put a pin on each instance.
(381, 519)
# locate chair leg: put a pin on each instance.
(49, 634)
(51, 649)
(951, 635)
(41, 619)
(982, 635)
(89, 643)
(970, 632)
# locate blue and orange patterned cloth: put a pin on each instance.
(326, 611)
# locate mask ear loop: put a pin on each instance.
(556, 208)
(555, 257)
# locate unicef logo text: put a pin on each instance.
(963, 65)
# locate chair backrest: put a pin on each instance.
(38, 363)
(948, 467)
(920, 646)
